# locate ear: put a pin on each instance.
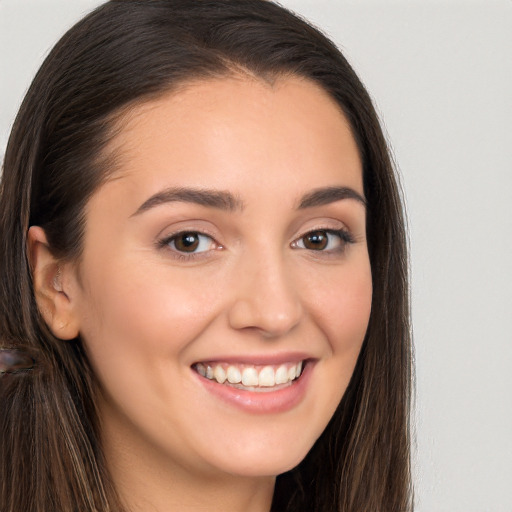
(52, 286)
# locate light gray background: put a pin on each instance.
(441, 75)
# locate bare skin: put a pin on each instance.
(251, 266)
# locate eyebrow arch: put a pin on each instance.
(326, 195)
(219, 199)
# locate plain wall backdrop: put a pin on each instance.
(440, 73)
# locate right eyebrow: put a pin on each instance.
(218, 199)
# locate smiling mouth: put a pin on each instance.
(260, 378)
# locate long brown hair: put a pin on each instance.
(123, 53)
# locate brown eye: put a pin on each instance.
(325, 240)
(316, 240)
(190, 242)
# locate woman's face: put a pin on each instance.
(229, 245)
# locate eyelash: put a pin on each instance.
(344, 236)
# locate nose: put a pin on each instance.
(265, 297)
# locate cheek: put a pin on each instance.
(137, 333)
(139, 315)
(148, 298)
(341, 306)
(342, 311)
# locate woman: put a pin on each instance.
(204, 299)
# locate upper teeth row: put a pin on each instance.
(249, 376)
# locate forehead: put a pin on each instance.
(226, 132)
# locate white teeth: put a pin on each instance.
(201, 369)
(219, 374)
(250, 377)
(266, 377)
(282, 375)
(234, 375)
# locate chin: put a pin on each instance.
(263, 461)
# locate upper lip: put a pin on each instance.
(258, 359)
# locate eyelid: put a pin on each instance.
(327, 223)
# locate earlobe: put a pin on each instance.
(49, 276)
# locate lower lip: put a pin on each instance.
(265, 402)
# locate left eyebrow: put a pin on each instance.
(327, 195)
